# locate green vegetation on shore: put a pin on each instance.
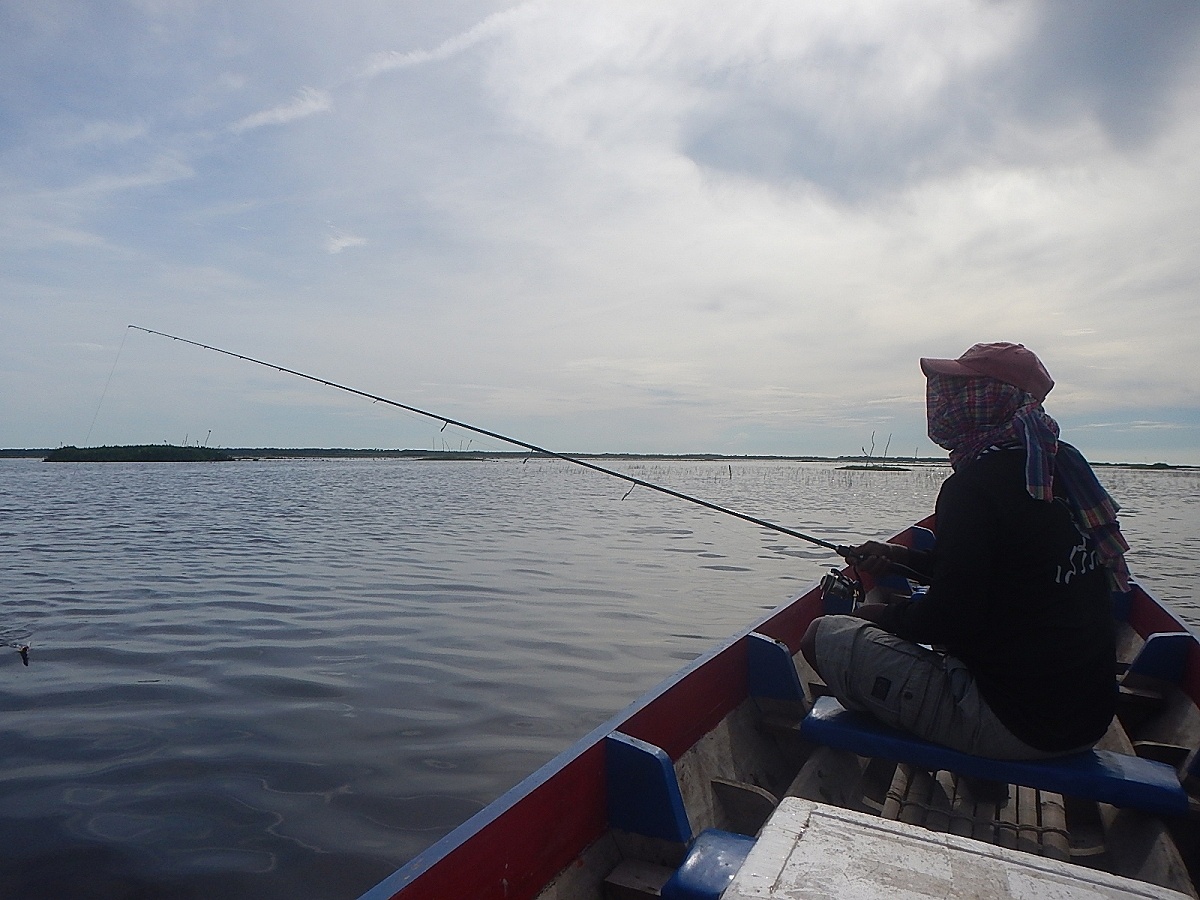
(138, 453)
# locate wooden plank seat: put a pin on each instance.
(1100, 775)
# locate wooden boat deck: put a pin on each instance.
(1026, 819)
(1015, 817)
(821, 852)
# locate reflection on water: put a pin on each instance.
(278, 679)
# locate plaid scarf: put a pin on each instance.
(969, 416)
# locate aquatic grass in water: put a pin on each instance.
(284, 678)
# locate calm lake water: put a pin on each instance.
(285, 678)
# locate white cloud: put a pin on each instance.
(493, 25)
(101, 133)
(1167, 426)
(307, 102)
(704, 216)
(159, 172)
(338, 240)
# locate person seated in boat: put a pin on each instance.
(1018, 604)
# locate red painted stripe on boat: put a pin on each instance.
(1147, 616)
(694, 705)
(789, 623)
(513, 856)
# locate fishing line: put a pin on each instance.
(447, 421)
(104, 392)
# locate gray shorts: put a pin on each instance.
(911, 687)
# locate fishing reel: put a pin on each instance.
(840, 594)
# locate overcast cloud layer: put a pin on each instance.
(598, 226)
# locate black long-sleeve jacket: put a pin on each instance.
(1016, 592)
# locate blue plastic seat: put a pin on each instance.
(711, 862)
(1101, 775)
(644, 798)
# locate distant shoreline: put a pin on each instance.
(138, 453)
(859, 462)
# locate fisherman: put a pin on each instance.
(1010, 653)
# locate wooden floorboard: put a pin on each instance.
(1032, 821)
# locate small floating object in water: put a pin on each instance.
(23, 649)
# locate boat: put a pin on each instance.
(736, 778)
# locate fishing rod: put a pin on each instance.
(841, 550)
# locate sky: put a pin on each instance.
(595, 225)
